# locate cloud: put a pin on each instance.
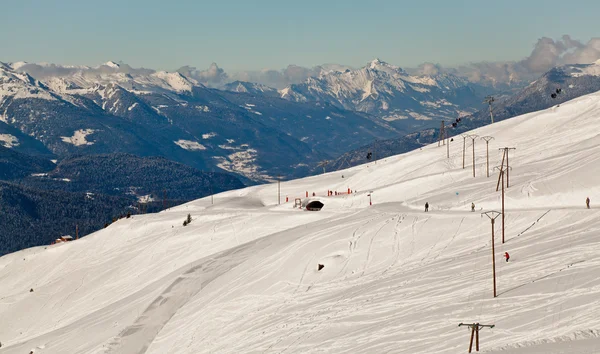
(45, 71)
(213, 76)
(293, 74)
(428, 69)
(546, 54)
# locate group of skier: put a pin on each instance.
(506, 255)
(587, 204)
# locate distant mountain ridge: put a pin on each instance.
(386, 91)
(573, 80)
(113, 109)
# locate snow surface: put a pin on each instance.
(79, 137)
(588, 69)
(243, 278)
(8, 140)
(20, 86)
(112, 64)
(175, 81)
(189, 145)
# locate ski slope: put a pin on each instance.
(243, 278)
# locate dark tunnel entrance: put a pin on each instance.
(314, 205)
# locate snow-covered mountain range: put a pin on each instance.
(113, 108)
(249, 275)
(572, 81)
(391, 93)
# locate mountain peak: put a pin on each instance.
(376, 62)
(112, 64)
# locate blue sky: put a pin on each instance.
(246, 34)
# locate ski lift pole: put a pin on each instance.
(506, 149)
(492, 215)
(475, 327)
(487, 152)
(473, 137)
(464, 136)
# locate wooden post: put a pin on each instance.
(507, 166)
(475, 327)
(493, 258)
(502, 165)
(77, 232)
(492, 215)
(447, 146)
(474, 156)
(503, 203)
(278, 189)
(477, 337)
(487, 153)
(464, 148)
(487, 157)
(473, 137)
(471, 341)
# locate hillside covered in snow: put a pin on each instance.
(248, 275)
(61, 111)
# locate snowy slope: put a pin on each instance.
(242, 277)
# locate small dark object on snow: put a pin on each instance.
(314, 206)
(30, 290)
(452, 139)
(507, 256)
(369, 155)
(427, 206)
(321, 266)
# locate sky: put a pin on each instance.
(251, 35)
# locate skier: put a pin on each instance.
(506, 255)
(587, 202)
(426, 206)
(472, 207)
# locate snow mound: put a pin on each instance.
(79, 137)
(190, 145)
(8, 140)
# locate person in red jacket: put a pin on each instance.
(506, 255)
